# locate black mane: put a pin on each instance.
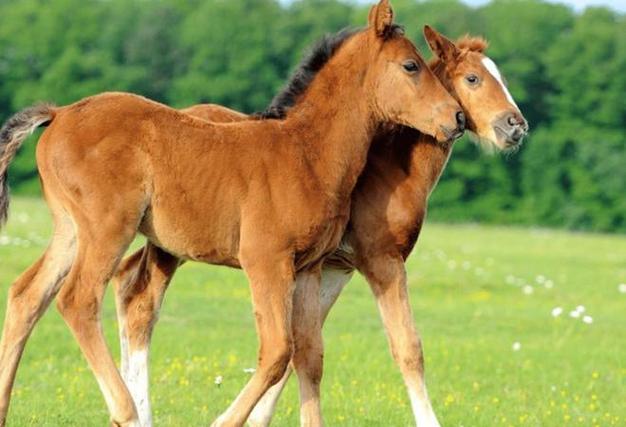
(304, 74)
(313, 62)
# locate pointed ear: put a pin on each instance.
(380, 17)
(440, 45)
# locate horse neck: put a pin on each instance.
(428, 160)
(437, 154)
(334, 122)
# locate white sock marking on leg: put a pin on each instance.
(137, 382)
(422, 410)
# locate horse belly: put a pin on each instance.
(194, 237)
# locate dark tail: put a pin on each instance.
(12, 136)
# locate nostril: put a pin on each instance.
(512, 120)
(460, 120)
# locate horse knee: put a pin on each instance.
(314, 367)
(275, 363)
(22, 305)
(22, 287)
(309, 359)
(412, 363)
(16, 293)
(410, 359)
(75, 310)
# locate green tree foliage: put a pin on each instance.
(567, 71)
(233, 52)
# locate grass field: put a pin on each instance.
(483, 299)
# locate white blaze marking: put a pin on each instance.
(493, 69)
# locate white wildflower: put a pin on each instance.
(528, 290)
(622, 288)
(588, 319)
(517, 346)
(557, 311)
(575, 314)
(218, 380)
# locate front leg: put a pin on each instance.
(386, 276)
(272, 282)
(333, 282)
(140, 284)
(309, 352)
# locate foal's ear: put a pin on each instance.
(380, 17)
(440, 45)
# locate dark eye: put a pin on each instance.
(411, 66)
(472, 79)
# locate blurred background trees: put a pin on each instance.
(567, 71)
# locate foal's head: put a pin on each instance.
(399, 84)
(475, 81)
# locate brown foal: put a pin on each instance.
(269, 196)
(388, 210)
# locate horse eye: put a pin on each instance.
(411, 66)
(472, 79)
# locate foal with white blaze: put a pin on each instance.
(388, 210)
(269, 196)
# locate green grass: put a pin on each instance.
(566, 372)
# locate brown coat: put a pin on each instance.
(388, 209)
(271, 196)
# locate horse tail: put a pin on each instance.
(12, 136)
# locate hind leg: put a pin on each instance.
(100, 249)
(140, 284)
(123, 279)
(29, 297)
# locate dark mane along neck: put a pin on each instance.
(300, 80)
(326, 109)
(304, 74)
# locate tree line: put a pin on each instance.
(566, 70)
